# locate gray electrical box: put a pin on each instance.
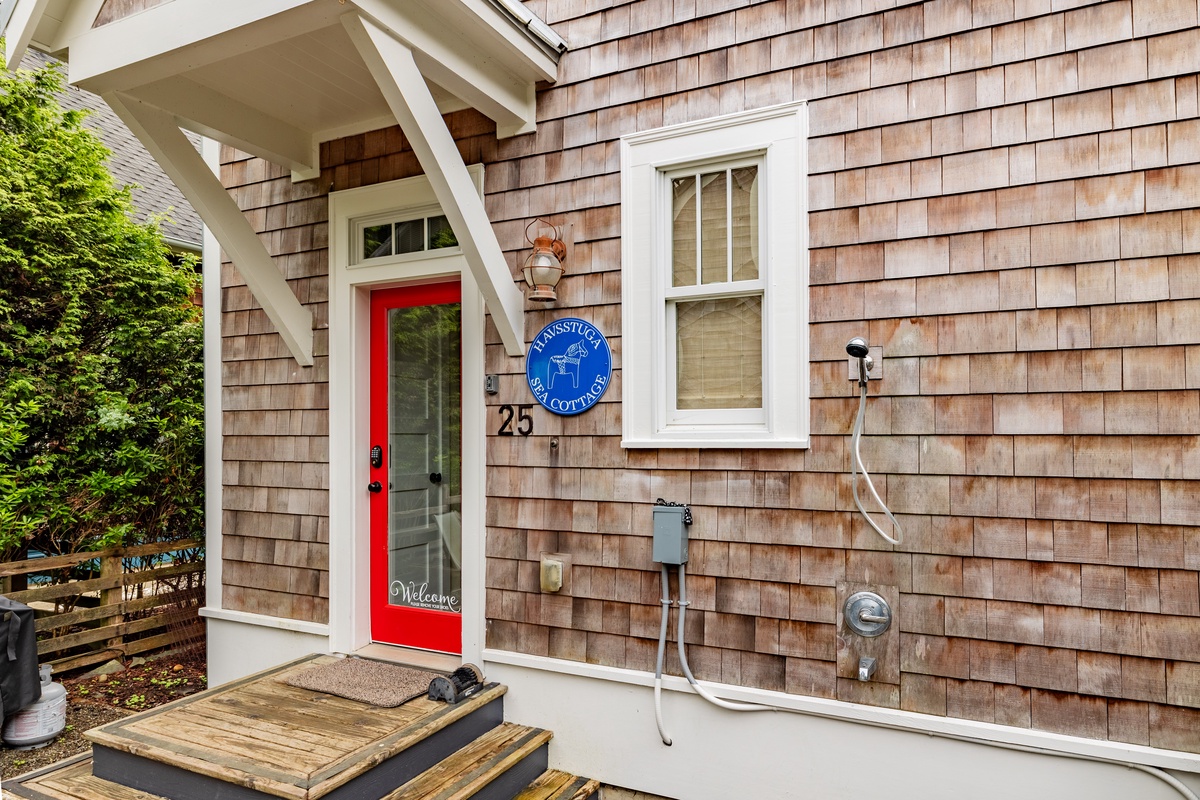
(670, 535)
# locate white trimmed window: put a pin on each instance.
(715, 282)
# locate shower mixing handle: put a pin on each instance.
(867, 614)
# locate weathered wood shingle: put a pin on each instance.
(1001, 196)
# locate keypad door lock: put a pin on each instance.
(376, 457)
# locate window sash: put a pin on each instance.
(712, 376)
(685, 283)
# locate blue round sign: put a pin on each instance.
(569, 366)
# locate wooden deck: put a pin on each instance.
(261, 734)
(258, 738)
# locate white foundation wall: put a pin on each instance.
(606, 730)
(237, 649)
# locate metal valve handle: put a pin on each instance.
(867, 614)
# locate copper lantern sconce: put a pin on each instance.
(544, 266)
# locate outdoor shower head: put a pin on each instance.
(857, 347)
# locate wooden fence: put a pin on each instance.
(132, 605)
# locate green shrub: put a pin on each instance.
(101, 394)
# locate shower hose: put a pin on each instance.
(856, 466)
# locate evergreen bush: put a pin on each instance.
(101, 393)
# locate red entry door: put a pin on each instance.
(416, 472)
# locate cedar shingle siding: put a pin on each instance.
(276, 417)
(1003, 196)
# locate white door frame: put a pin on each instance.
(350, 285)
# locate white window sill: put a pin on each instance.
(738, 442)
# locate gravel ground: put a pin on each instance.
(94, 701)
(80, 718)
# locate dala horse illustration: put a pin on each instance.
(567, 364)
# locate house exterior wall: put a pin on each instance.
(1000, 196)
(275, 481)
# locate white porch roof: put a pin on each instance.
(275, 78)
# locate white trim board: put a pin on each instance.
(264, 621)
(469, 75)
(240, 644)
(19, 29)
(214, 426)
(775, 138)
(604, 727)
(62, 21)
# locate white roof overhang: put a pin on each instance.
(275, 78)
(292, 61)
(46, 25)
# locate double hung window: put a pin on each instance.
(715, 283)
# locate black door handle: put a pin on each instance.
(435, 477)
(374, 487)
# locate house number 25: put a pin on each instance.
(524, 419)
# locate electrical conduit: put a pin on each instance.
(1160, 774)
(662, 651)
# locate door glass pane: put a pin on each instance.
(425, 471)
(714, 235)
(719, 353)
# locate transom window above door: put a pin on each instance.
(380, 238)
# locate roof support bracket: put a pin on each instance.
(161, 136)
(392, 64)
(471, 76)
(19, 28)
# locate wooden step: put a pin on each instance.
(496, 766)
(555, 785)
(70, 780)
(258, 738)
(73, 780)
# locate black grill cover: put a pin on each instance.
(20, 684)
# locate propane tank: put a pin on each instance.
(38, 723)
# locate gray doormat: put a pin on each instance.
(374, 682)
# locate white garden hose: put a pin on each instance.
(856, 466)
